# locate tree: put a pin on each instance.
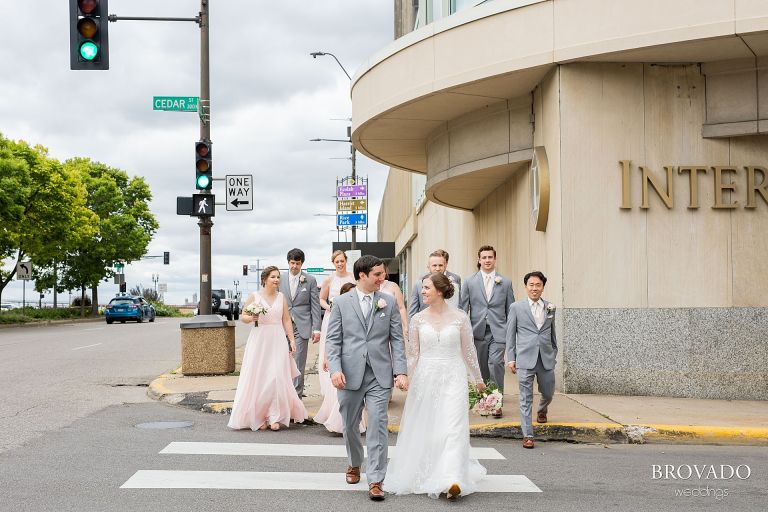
(43, 207)
(124, 225)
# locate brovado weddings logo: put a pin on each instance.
(707, 472)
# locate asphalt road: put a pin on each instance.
(72, 442)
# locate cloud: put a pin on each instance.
(269, 97)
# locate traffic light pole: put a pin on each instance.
(205, 223)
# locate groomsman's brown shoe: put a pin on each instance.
(454, 491)
(353, 474)
(541, 417)
(528, 442)
(375, 492)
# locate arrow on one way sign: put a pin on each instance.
(237, 202)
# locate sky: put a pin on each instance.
(268, 97)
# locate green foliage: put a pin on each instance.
(475, 395)
(163, 310)
(26, 315)
(148, 293)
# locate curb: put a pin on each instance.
(45, 323)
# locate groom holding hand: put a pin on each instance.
(366, 356)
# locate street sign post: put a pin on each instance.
(176, 103)
(351, 205)
(24, 270)
(239, 192)
(352, 219)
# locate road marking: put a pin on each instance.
(290, 450)
(94, 329)
(87, 346)
(155, 479)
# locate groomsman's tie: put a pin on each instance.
(488, 286)
(366, 307)
(294, 285)
(539, 316)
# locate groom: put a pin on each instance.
(366, 354)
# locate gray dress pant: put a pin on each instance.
(490, 356)
(546, 379)
(376, 399)
(300, 356)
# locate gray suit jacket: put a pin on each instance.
(305, 306)
(351, 340)
(416, 304)
(525, 341)
(483, 312)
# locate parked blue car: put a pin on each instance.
(129, 307)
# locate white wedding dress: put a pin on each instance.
(433, 443)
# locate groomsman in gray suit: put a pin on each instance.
(487, 296)
(438, 262)
(300, 289)
(366, 356)
(531, 351)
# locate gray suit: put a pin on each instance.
(489, 322)
(416, 305)
(534, 351)
(306, 316)
(369, 352)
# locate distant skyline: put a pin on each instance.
(269, 97)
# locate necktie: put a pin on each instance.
(488, 286)
(539, 308)
(366, 306)
(294, 285)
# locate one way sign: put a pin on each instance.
(239, 192)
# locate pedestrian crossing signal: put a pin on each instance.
(88, 34)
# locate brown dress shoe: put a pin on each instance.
(375, 492)
(353, 474)
(527, 442)
(541, 417)
(454, 491)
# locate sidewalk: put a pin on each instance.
(572, 417)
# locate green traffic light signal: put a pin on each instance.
(89, 50)
(203, 182)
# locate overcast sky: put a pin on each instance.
(269, 97)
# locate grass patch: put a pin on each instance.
(26, 315)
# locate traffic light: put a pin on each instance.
(245, 270)
(166, 258)
(123, 287)
(88, 34)
(203, 164)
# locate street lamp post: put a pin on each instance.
(155, 279)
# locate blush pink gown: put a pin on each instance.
(328, 415)
(265, 392)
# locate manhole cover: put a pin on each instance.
(165, 424)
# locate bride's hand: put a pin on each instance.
(480, 386)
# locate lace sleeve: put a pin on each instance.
(468, 352)
(412, 344)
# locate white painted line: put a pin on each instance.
(154, 479)
(290, 450)
(94, 329)
(87, 346)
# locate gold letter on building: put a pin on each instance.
(720, 186)
(762, 187)
(694, 171)
(668, 197)
(626, 196)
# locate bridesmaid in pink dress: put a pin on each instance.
(265, 394)
(328, 414)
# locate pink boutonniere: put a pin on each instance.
(381, 304)
(497, 280)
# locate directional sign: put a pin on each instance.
(239, 192)
(162, 287)
(352, 219)
(352, 191)
(24, 270)
(175, 103)
(315, 270)
(203, 205)
(351, 205)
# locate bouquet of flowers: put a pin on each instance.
(255, 309)
(486, 402)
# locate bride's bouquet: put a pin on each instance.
(255, 309)
(486, 402)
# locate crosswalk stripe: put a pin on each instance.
(290, 450)
(157, 479)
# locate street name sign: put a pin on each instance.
(239, 192)
(352, 191)
(351, 205)
(352, 219)
(24, 270)
(176, 103)
(315, 270)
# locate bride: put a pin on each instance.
(432, 455)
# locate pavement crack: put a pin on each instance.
(594, 410)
